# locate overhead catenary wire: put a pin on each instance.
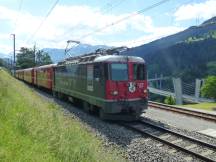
(103, 8)
(106, 26)
(125, 18)
(42, 22)
(113, 6)
(134, 42)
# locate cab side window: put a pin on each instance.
(139, 72)
(97, 71)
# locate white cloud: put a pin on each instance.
(157, 33)
(6, 49)
(72, 22)
(76, 21)
(141, 23)
(6, 13)
(204, 10)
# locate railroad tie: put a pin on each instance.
(147, 129)
(172, 151)
(156, 132)
(164, 136)
(159, 145)
(188, 158)
(190, 146)
(206, 152)
(176, 141)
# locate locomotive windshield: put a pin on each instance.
(139, 72)
(119, 72)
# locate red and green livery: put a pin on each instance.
(113, 84)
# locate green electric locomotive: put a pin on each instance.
(113, 84)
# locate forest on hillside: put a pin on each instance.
(188, 60)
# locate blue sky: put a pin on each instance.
(73, 19)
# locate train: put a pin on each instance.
(105, 81)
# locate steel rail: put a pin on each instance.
(143, 120)
(197, 114)
(138, 127)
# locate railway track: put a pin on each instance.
(197, 114)
(189, 145)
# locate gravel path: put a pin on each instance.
(179, 120)
(132, 146)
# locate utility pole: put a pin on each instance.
(14, 55)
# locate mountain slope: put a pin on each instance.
(143, 50)
(188, 54)
(59, 54)
(185, 60)
(2, 55)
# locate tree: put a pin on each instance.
(1, 62)
(42, 58)
(26, 58)
(32, 57)
(211, 68)
(169, 100)
(209, 88)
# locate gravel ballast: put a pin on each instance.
(131, 145)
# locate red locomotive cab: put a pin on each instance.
(126, 85)
(140, 79)
(127, 81)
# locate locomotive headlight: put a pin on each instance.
(145, 91)
(114, 93)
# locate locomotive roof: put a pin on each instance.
(28, 69)
(45, 66)
(102, 55)
(107, 58)
(20, 70)
(118, 58)
(39, 67)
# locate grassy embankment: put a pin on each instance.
(32, 129)
(203, 106)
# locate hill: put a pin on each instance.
(152, 47)
(2, 55)
(188, 54)
(59, 54)
(186, 60)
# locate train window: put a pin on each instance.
(106, 72)
(61, 69)
(90, 77)
(80, 72)
(74, 70)
(139, 71)
(97, 71)
(119, 71)
(83, 71)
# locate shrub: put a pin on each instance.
(169, 100)
(209, 88)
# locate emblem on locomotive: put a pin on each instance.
(132, 87)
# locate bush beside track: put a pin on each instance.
(32, 129)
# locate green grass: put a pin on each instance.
(203, 106)
(33, 129)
